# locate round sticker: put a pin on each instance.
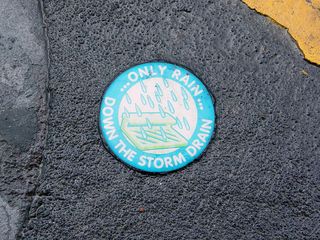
(156, 117)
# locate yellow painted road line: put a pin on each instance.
(300, 17)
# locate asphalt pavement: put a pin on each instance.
(23, 110)
(258, 179)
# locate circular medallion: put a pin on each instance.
(156, 117)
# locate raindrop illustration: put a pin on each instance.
(159, 90)
(143, 133)
(163, 134)
(151, 103)
(129, 101)
(179, 123)
(173, 96)
(143, 87)
(148, 123)
(165, 82)
(138, 110)
(186, 104)
(162, 113)
(184, 93)
(171, 108)
(125, 113)
(143, 99)
(186, 124)
(157, 97)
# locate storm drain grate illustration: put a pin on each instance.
(157, 117)
(151, 131)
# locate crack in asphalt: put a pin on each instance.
(42, 120)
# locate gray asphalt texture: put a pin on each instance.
(23, 78)
(259, 178)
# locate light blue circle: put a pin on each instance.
(116, 136)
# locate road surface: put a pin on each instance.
(258, 179)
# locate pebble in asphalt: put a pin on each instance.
(259, 178)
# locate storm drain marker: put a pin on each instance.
(156, 117)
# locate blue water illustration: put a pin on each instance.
(149, 123)
(173, 96)
(158, 97)
(150, 102)
(184, 93)
(143, 87)
(138, 110)
(129, 101)
(179, 123)
(186, 123)
(163, 134)
(165, 82)
(143, 99)
(170, 106)
(162, 113)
